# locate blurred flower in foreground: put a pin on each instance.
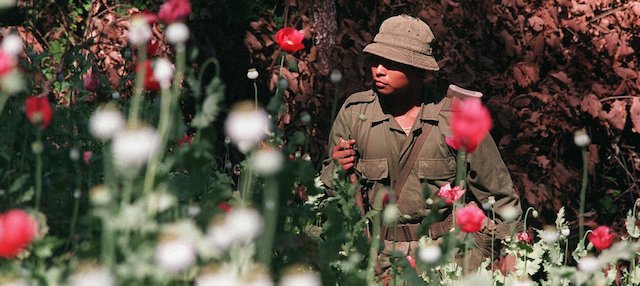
(86, 157)
(39, 110)
(175, 255)
(134, 147)
(12, 44)
(17, 230)
(218, 277)
(589, 264)
(240, 225)
(177, 33)
(246, 125)
(300, 275)
(522, 282)
(470, 218)
(390, 214)
(105, 123)
(150, 82)
(601, 237)
(549, 235)
(163, 72)
(6, 63)
(173, 10)
(186, 139)
(266, 162)
(8, 3)
(429, 253)
(139, 30)
(450, 195)
(290, 39)
(470, 123)
(93, 276)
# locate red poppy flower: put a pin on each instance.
(39, 110)
(173, 10)
(470, 218)
(6, 63)
(86, 157)
(150, 83)
(450, 195)
(225, 207)
(412, 261)
(601, 237)
(290, 40)
(470, 123)
(17, 230)
(524, 237)
(90, 81)
(186, 139)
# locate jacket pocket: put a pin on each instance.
(373, 169)
(437, 168)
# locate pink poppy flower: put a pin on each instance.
(412, 261)
(86, 157)
(470, 218)
(6, 63)
(470, 123)
(601, 237)
(17, 230)
(39, 110)
(450, 195)
(150, 83)
(90, 81)
(524, 237)
(173, 10)
(290, 39)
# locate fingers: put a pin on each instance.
(344, 153)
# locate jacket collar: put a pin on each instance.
(429, 101)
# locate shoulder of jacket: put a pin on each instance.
(366, 96)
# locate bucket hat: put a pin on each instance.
(406, 40)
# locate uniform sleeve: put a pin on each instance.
(340, 129)
(489, 176)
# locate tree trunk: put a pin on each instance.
(323, 15)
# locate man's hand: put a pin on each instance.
(345, 154)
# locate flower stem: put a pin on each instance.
(164, 128)
(270, 206)
(583, 188)
(76, 203)
(375, 239)
(246, 182)
(461, 171)
(255, 94)
(466, 254)
(37, 149)
(136, 99)
(107, 249)
(493, 237)
(526, 253)
(279, 75)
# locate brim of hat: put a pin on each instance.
(403, 56)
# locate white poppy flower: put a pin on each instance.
(139, 31)
(104, 123)
(301, 278)
(222, 277)
(175, 255)
(246, 125)
(390, 214)
(429, 253)
(219, 238)
(244, 224)
(581, 138)
(549, 235)
(133, 148)
(266, 162)
(589, 264)
(177, 33)
(163, 72)
(99, 276)
(12, 44)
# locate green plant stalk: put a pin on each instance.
(526, 253)
(128, 190)
(461, 171)
(3, 100)
(76, 202)
(493, 237)
(246, 182)
(136, 99)
(270, 206)
(107, 250)
(109, 176)
(38, 154)
(583, 188)
(466, 256)
(334, 104)
(633, 259)
(375, 239)
(255, 93)
(279, 75)
(164, 128)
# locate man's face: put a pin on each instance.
(391, 77)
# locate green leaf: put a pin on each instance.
(632, 229)
(18, 183)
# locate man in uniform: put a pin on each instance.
(375, 131)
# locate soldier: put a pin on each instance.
(375, 131)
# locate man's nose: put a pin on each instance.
(381, 70)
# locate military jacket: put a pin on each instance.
(383, 149)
